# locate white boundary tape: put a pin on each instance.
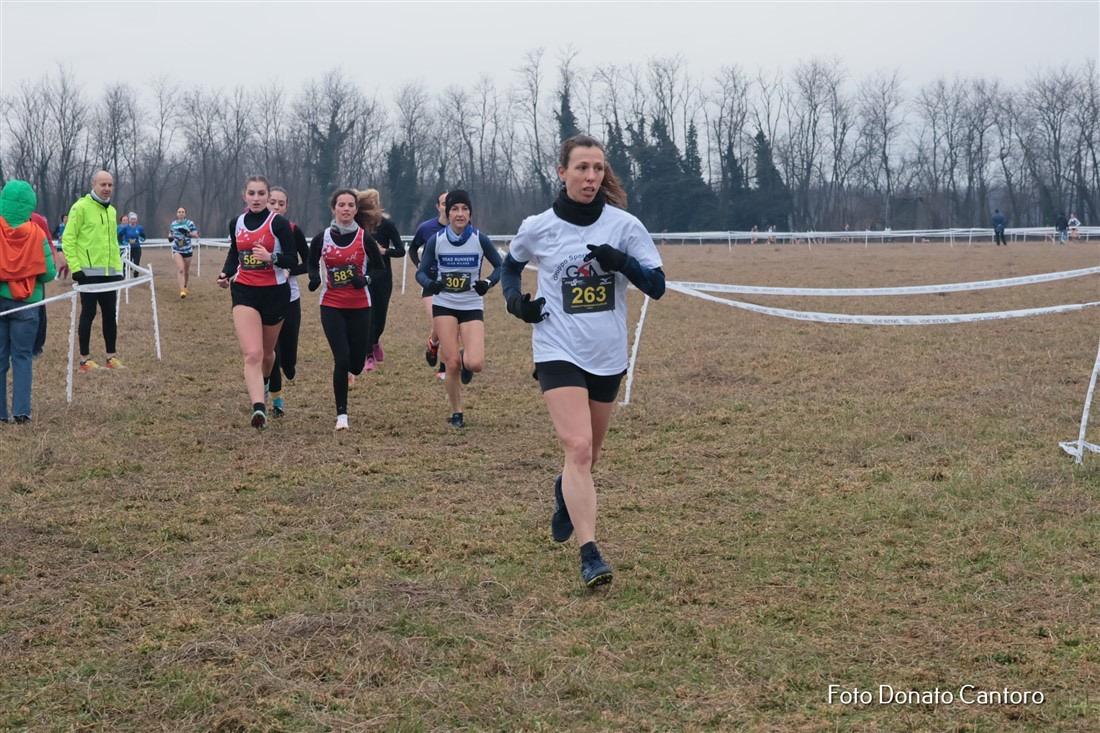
(1077, 448)
(634, 352)
(906, 290)
(879, 320)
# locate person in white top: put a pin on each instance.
(1073, 223)
(586, 249)
(450, 270)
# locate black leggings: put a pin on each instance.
(286, 350)
(347, 332)
(999, 237)
(107, 303)
(380, 287)
(135, 254)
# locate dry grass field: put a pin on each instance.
(786, 505)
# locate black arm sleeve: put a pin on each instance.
(650, 280)
(287, 257)
(423, 271)
(511, 277)
(388, 235)
(232, 259)
(493, 256)
(303, 251)
(414, 248)
(314, 266)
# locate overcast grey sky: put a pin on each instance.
(384, 44)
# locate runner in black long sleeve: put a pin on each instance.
(286, 350)
(261, 250)
(427, 230)
(373, 218)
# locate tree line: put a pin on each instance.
(807, 148)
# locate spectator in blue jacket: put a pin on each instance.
(999, 228)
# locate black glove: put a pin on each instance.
(435, 287)
(79, 276)
(610, 259)
(482, 286)
(314, 282)
(359, 281)
(525, 309)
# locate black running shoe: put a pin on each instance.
(466, 374)
(594, 571)
(431, 354)
(457, 421)
(561, 526)
(259, 419)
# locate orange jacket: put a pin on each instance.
(21, 257)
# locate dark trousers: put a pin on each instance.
(40, 339)
(135, 254)
(347, 331)
(999, 237)
(381, 288)
(108, 303)
(286, 350)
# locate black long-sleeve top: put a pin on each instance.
(387, 236)
(287, 256)
(428, 270)
(340, 239)
(302, 247)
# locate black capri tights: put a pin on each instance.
(348, 334)
(286, 350)
(108, 303)
(381, 288)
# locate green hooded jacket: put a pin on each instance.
(17, 201)
(90, 239)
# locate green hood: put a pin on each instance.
(17, 201)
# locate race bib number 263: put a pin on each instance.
(592, 294)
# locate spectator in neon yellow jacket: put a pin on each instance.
(90, 242)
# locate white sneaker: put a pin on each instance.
(341, 422)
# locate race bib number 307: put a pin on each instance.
(250, 261)
(592, 294)
(455, 282)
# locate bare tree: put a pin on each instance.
(880, 105)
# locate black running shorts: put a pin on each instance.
(463, 316)
(554, 374)
(271, 301)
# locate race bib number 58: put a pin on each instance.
(592, 294)
(250, 261)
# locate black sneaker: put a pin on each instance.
(457, 421)
(431, 353)
(594, 571)
(259, 419)
(561, 526)
(467, 375)
(21, 419)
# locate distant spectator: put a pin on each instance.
(132, 235)
(26, 262)
(1073, 223)
(1061, 226)
(771, 233)
(999, 228)
(752, 236)
(60, 230)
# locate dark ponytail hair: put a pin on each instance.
(611, 187)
